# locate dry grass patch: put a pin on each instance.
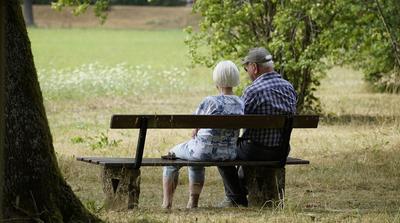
(122, 17)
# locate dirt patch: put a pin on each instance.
(123, 17)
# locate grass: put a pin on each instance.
(89, 74)
(97, 80)
(70, 48)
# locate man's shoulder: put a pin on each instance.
(275, 81)
(265, 82)
(267, 87)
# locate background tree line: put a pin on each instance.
(130, 2)
(100, 5)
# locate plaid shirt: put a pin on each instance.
(269, 94)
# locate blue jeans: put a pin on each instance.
(196, 173)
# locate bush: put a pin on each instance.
(368, 38)
(385, 82)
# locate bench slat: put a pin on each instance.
(211, 121)
(129, 162)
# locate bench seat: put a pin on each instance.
(129, 162)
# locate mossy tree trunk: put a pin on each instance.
(34, 189)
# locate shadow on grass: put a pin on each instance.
(359, 119)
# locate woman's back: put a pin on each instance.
(217, 144)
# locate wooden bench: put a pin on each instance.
(266, 179)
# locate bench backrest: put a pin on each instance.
(143, 122)
(211, 121)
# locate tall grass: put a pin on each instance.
(354, 172)
(94, 80)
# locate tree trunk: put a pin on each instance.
(266, 186)
(2, 71)
(28, 13)
(34, 189)
(122, 188)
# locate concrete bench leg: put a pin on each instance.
(266, 186)
(121, 187)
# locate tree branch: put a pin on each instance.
(395, 45)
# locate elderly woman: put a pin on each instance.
(207, 144)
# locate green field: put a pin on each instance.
(87, 75)
(63, 48)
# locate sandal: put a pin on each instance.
(169, 156)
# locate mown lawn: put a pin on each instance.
(66, 48)
(89, 74)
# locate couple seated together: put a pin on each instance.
(268, 94)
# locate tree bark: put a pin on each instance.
(28, 13)
(34, 189)
(2, 74)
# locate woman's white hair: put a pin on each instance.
(226, 74)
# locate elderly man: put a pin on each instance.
(268, 94)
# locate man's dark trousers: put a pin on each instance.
(234, 178)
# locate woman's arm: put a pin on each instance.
(194, 133)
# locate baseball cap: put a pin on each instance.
(257, 55)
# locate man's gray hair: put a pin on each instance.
(226, 74)
(267, 64)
